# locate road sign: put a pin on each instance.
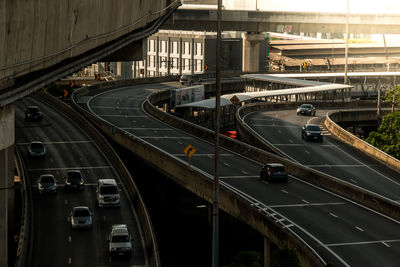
(65, 93)
(97, 77)
(141, 71)
(234, 99)
(189, 151)
(205, 67)
(71, 84)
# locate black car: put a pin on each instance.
(306, 109)
(311, 132)
(74, 180)
(274, 172)
(189, 79)
(33, 113)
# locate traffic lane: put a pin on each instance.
(53, 225)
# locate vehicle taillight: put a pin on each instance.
(270, 171)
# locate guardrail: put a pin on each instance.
(146, 228)
(347, 137)
(200, 183)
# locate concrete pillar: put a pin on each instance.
(267, 252)
(192, 57)
(251, 51)
(157, 44)
(7, 139)
(180, 55)
(169, 57)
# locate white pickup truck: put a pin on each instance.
(120, 241)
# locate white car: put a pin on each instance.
(47, 184)
(81, 217)
(120, 241)
(107, 193)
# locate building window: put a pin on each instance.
(198, 49)
(186, 49)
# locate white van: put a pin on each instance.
(107, 193)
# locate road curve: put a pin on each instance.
(339, 230)
(55, 243)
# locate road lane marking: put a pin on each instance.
(71, 168)
(244, 172)
(284, 191)
(387, 245)
(238, 177)
(66, 202)
(359, 229)
(354, 181)
(333, 215)
(339, 166)
(150, 129)
(69, 238)
(69, 260)
(227, 164)
(363, 243)
(307, 152)
(305, 201)
(306, 205)
(165, 137)
(301, 144)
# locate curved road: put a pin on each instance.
(282, 128)
(55, 243)
(340, 231)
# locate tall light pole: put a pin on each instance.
(215, 254)
(347, 43)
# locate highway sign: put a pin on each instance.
(71, 84)
(65, 93)
(234, 100)
(189, 151)
(205, 67)
(97, 77)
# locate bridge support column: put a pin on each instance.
(267, 252)
(7, 139)
(251, 51)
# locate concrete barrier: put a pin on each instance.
(337, 116)
(146, 228)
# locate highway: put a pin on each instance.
(282, 128)
(339, 230)
(55, 243)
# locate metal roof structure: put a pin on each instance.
(305, 86)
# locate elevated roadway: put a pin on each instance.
(53, 241)
(338, 230)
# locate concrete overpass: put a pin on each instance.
(273, 21)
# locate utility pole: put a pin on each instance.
(215, 253)
(347, 43)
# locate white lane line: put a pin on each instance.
(307, 152)
(244, 172)
(305, 201)
(227, 164)
(179, 142)
(150, 129)
(280, 220)
(288, 226)
(387, 245)
(104, 218)
(333, 215)
(123, 116)
(66, 202)
(290, 141)
(306, 205)
(353, 181)
(284, 191)
(71, 168)
(359, 229)
(69, 238)
(239, 177)
(59, 142)
(69, 260)
(362, 243)
(338, 166)
(279, 131)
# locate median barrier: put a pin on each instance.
(331, 124)
(146, 228)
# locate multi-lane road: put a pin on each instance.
(55, 243)
(339, 230)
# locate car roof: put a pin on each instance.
(33, 107)
(310, 124)
(37, 142)
(119, 229)
(43, 175)
(107, 182)
(274, 164)
(71, 171)
(80, 208)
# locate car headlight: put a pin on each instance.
(308, 133)
(68, 183)
(113, 248)
(298, 110)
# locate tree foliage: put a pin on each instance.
(393, 96)
(247, 259)
(387, 138)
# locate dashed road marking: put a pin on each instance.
(284, 191)
(333, 215)
(360, 229)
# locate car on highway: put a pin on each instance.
(189, 79)
(306, 109)
(74, 180)
(37, 149)
(311, 132)
(274, 172)
(81, 217)
(33, 113)
(47, 184)
(120, 241)
(107, 193)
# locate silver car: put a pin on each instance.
(81, 217)
(47, 184)
(37, 149)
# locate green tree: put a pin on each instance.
(285, 257)
(393, 97)
(246, 259)
(388, 135)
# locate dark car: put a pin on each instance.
(47, 184)
(37, 149)
(274, 172)
(189, 79)
(74, 180)
(306, 109)
(33, 113)
(311, 132)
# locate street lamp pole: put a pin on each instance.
(347, 43)
(215, 253)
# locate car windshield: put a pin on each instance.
(313, 128)
(33, 110)
(74, 176)
(108, 190)
(36, 146)
(277, 169)
(81, 213)
(305, 106)
(47, 179)
(120, 238)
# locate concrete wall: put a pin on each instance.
(38, 34)
(335, 117)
